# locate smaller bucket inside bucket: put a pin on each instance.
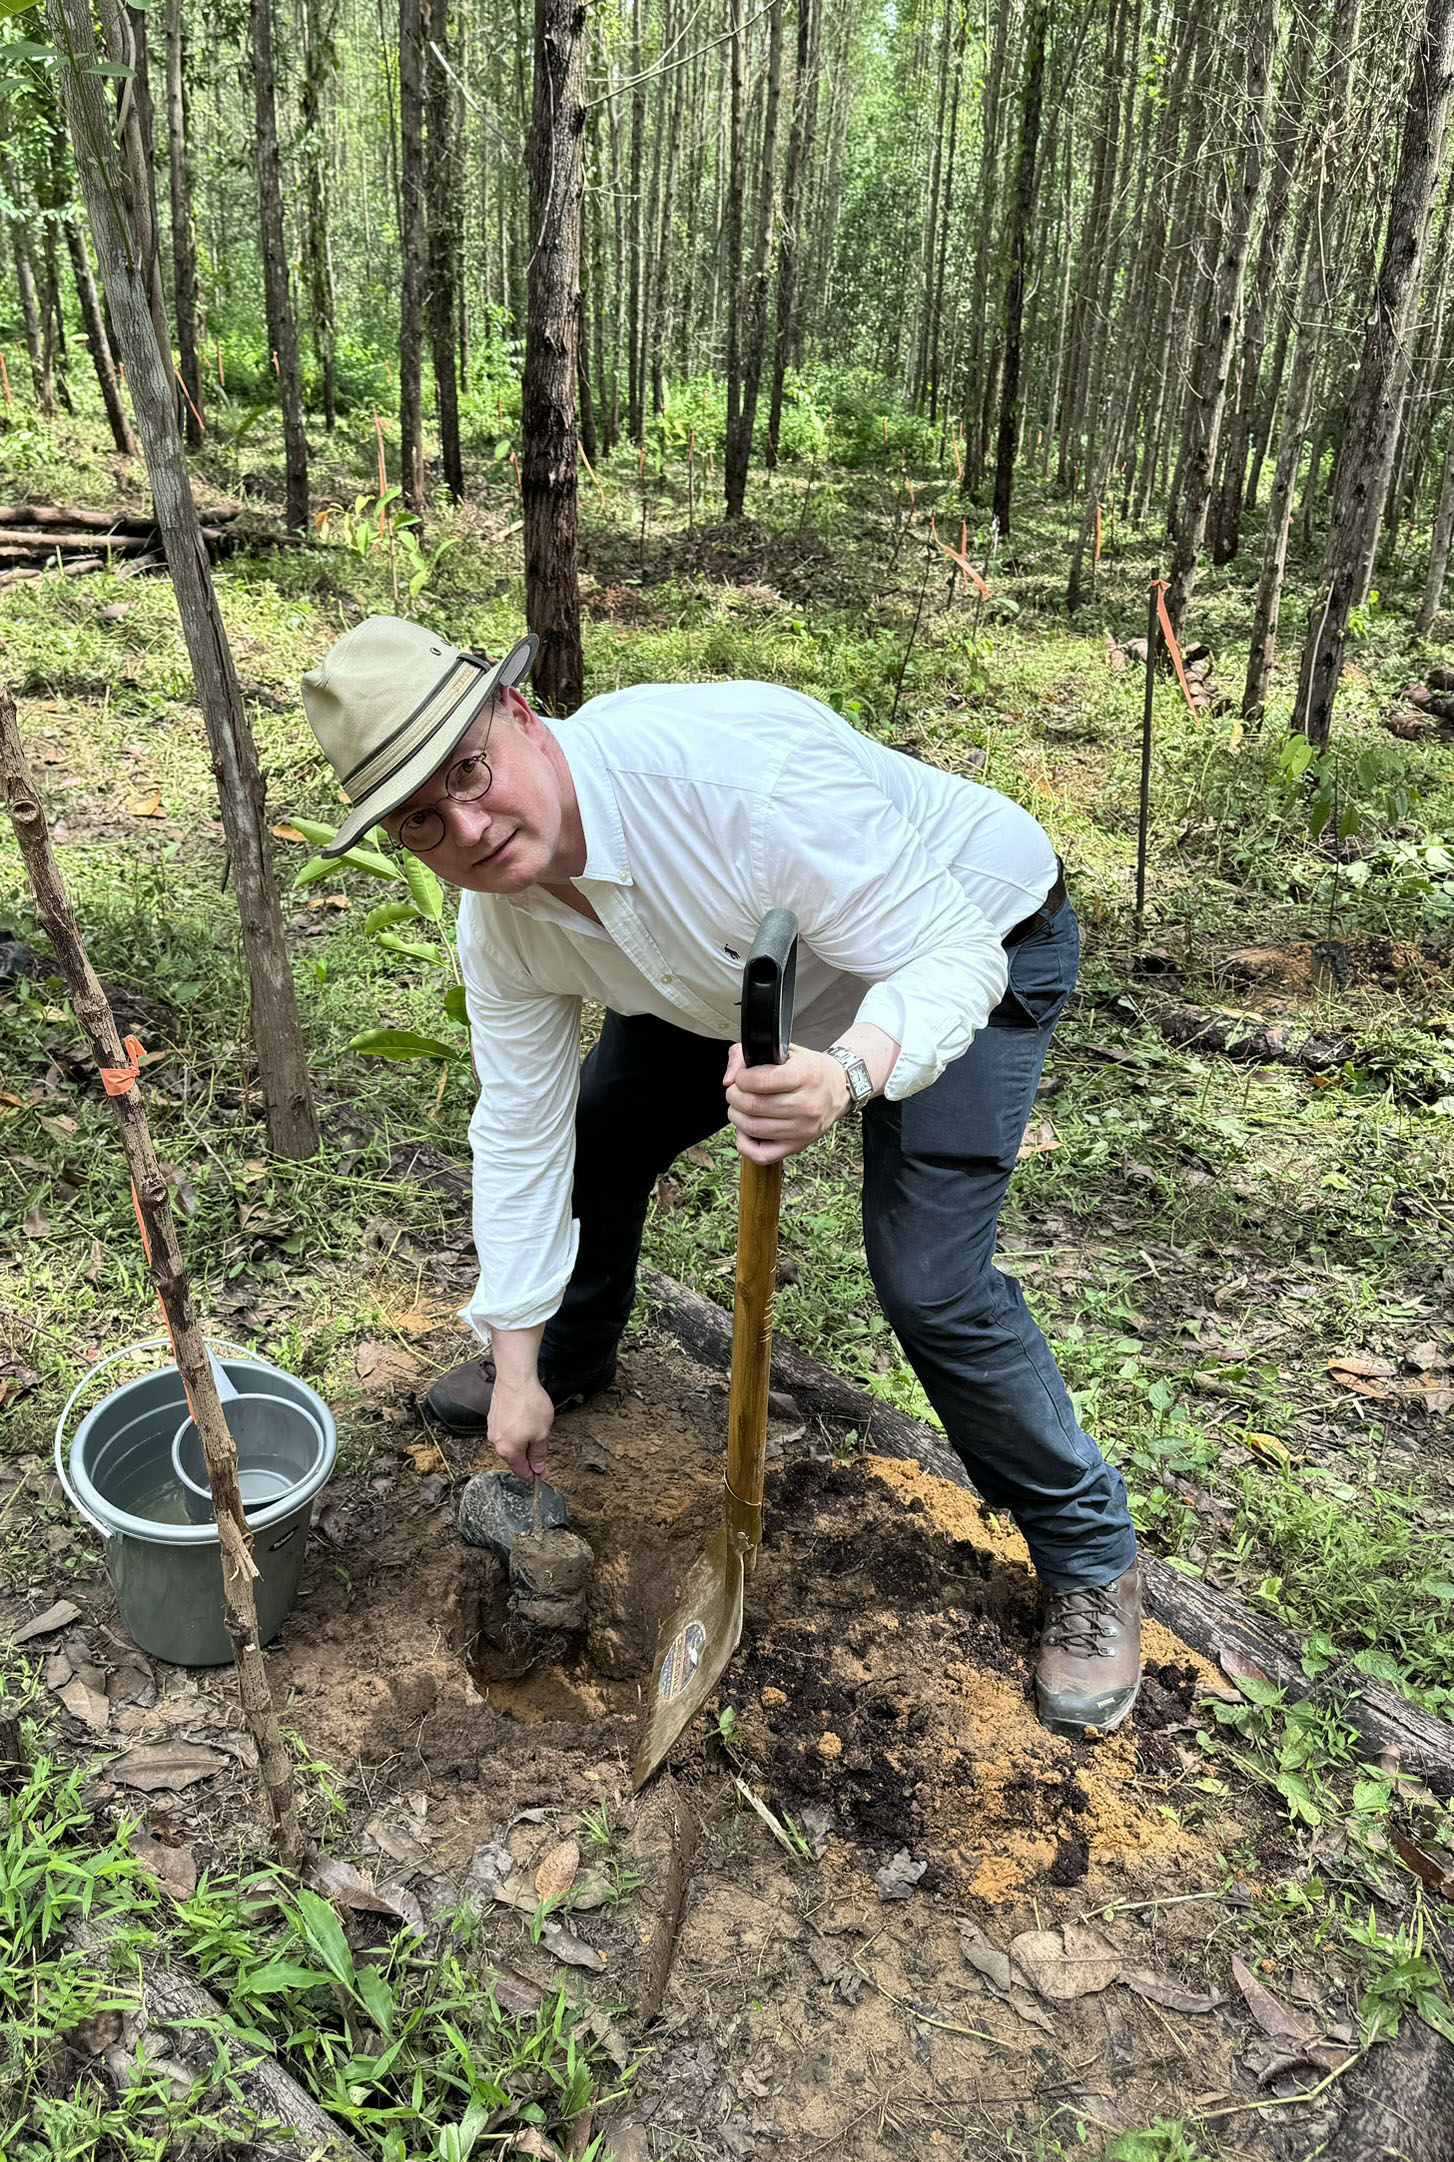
(279, 1446)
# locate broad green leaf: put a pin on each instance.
(316, 868)
(278, 1976)
(456, 1004)
(400, 1043)
(324, 1932)
(387, 914)
(378, 1998)
(411, 949)
(313, 829)
(369, 859)
(424, 890)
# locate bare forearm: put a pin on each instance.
(516, 1353)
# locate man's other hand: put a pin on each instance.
(779, 1110)
(521, 1416)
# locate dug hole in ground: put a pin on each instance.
(840, 1985)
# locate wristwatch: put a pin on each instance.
(860, 1080)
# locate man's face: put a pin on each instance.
(506, 838)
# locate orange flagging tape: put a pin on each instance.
(1171, 645)
(116, 1080)
(959, 556)
(201, 423)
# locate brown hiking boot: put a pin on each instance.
(1089, 1670)
(460, 1399)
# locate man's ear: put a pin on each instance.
(517, 707)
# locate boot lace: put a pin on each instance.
(1081, 1621)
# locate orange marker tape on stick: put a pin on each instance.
(116, 1080)
(1171, 645)
(958, 555)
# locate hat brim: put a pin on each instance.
(400, 785)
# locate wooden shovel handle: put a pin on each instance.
(761, 1197)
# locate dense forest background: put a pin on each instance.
(1186, 267)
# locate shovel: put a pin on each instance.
(700, 1635)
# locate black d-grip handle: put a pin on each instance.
(767, 989)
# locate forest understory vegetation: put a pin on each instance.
(1243, 1265)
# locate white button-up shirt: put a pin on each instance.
(704, 805)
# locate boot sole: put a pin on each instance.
(1079, 1729)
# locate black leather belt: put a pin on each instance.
(1045, 914)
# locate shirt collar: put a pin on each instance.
(607, 863)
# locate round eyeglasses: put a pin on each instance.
(466, 781)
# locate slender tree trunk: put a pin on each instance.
(976, 396)
(1210, 393)
(446, 217)
(1313, 307)
(635, 420)
(184, 238)
(929, 244)
(277, 1036)
(548, 392)
(1024, 210)
(739, 447)
(98, 341)
(936, 306)
(41, 378)
(282, 325)
(799, 159)
(134, 177)
(1373, 416)
(413, 242)
(164, 1253)
(1433, 599)
(320, 59)
(732, 230)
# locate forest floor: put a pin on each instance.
(1242, 1261)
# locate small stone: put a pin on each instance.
(772, 1698)
(782, 1406)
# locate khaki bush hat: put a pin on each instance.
(389, 703)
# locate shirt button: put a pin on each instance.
(667, 977)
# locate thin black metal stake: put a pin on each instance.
(1153, 629)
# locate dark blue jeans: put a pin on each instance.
(935, 1170)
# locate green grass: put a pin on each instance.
(407, 2047)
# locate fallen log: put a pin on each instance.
(74, 567)
(18, 542)
(1245, 1038)
(102, 521)
(175, 2017)
(1213, 1622)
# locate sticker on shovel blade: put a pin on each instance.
(683, 1656)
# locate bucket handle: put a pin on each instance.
(150, 1343)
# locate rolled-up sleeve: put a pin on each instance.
(526, 1047)
(870, 901)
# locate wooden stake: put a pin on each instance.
(169, 1273)
(1152, 630)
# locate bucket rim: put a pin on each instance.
(110, 1522)
(260, 1396)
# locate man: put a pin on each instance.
(626, 856)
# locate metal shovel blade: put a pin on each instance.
(696, 1642)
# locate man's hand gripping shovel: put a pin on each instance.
(701, 1633)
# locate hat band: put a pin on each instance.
(409, 738)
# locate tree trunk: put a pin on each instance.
(184, 238)
(1034, 83)
(442, 188)
(413, 242)
(739, 448)
(987, 195)
(1433, 599)
(929, 245)
(1209, 394)
(800, 157)
(169, 1274)
(1373, 415)
(41, 379)
(277, 1036)
(282, 324)
(133, 171)
(548, 392)
(320, 59)
(1265, 284)
(98, 341)
(732, 227)
(636, 209)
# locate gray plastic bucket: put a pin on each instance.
(279, 1445)
(167, 1576)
